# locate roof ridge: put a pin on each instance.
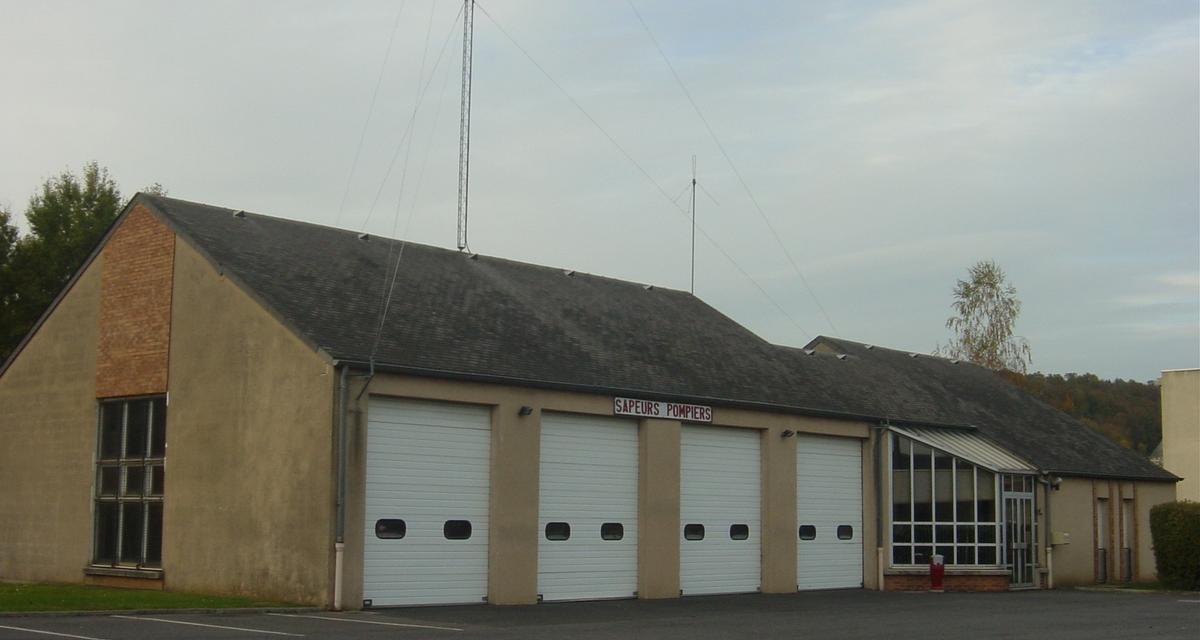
(161, 200)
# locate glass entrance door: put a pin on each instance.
(1020, 539)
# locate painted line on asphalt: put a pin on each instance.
(389, 624)
(210, 626)
(1189, 600)
(50, 633)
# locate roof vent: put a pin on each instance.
(239, 214)
(809, 352)
(364, 236)
(647, 287)
(841, 356)
(473, 256)
(569, 272)
(912, 355)
(954, 362)
(870, 346)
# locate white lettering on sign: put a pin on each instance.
(667, 410)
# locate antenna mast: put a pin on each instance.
(693, 290)
(464, 124)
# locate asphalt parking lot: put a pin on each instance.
(825, 615)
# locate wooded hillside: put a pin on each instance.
(1126, 411)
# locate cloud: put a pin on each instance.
(890, 144)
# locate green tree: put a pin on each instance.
(1127, 411)
(8, 243)
(987, 308)
(66, 218)
(8, 239)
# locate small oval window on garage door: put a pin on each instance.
(693, 532)
(808, 532)
(845, 532)
(390, 529)
(739, 532)
(457, 529)
(612, 531)
(558, 531)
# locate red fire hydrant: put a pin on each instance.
(937, 571)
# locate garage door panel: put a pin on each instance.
(829, 495)
(720, 486)
(588, 476)
(427, 463)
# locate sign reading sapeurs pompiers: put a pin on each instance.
(666, 410)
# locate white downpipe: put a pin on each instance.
(338, 549)
(1050, 567)
(879, 559)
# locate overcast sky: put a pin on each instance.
(890, 145)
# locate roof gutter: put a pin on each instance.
(1114, 476)
(649, 395)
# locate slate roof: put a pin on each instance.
(485, 318)
(937, 389)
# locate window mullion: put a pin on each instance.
(122, 479)
(145, 528)
(954, 508)
(975, 509)
(120, 532)
(911, 504)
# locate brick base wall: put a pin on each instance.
(949, 583)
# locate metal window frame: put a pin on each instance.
(1027, 491)
(997, 545)
(123, 462)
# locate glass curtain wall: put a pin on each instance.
(944, 505)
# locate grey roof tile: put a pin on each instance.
(498, 319)
(935, 389)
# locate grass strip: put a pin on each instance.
(74, 597)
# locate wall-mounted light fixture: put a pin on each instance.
(525, 410)
(1055, 482)
(787, 433)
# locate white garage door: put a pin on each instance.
(720, 533)
(587, 510)
(829, 509)
(427, 503)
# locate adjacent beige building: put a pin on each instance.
(1181, 429)
(222, 402)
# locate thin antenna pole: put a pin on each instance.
(464, 124)
(693, 225)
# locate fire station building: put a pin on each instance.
(220, 401)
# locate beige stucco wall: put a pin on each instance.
(48, 430)
(513, 533)
(1181, 429)
(1074, 510)
(658, 508)
(249, 465)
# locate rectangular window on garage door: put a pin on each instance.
(130, 474)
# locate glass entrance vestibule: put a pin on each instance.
(977, 512)
(1020, 529)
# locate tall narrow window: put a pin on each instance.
(1102, 532)
(1126, 540)
(131, 448)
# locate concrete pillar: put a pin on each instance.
(778, 512)
(513, 534)
(658, 509)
